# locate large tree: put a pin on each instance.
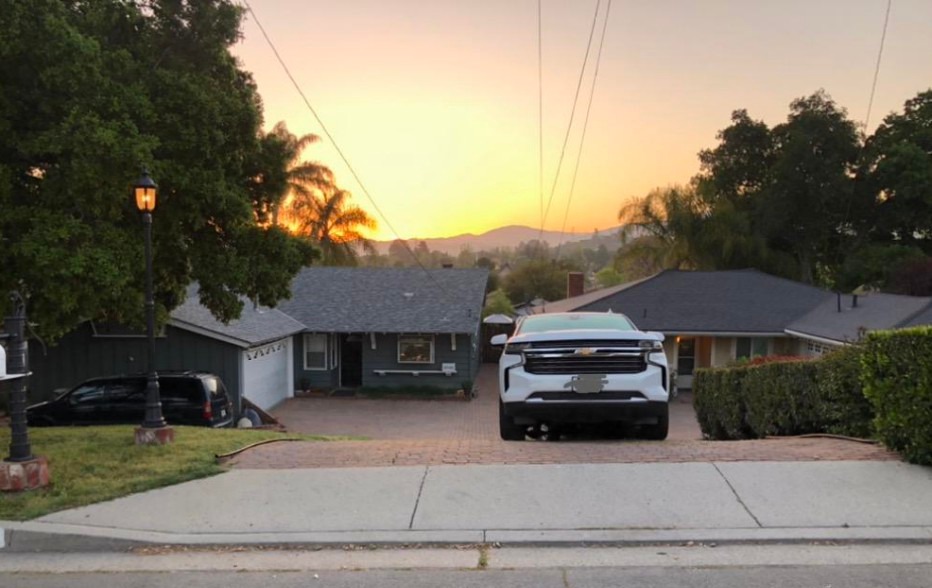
(898, 171)
(94, 89)
(784, 200)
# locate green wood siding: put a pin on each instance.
(319, 379)
(80, 355)
(385, 357)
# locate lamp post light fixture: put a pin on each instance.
(154, 429)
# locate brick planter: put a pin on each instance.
(16, 476)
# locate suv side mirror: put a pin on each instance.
(499, 340)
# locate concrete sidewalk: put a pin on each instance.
(521, 504)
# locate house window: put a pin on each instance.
(747, 347)
(813, 348)
(315, 351)
(415, 349)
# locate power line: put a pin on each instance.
(883, 38)
(569, 127)
(540, 110)
(582, 140)
(337, 147)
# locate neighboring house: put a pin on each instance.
(387, 326)
(713, 318)
(343, 327)
(845, 319)
(252, 354)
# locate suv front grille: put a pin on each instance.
(583, 360)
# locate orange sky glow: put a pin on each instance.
(435, 103)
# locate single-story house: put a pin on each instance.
(390, 327)
(711, 318)
(342, 327)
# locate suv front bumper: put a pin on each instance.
(634, 412)
(636, 398)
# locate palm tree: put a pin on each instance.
(326, 216)
(296, 177)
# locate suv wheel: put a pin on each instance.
(507, 428)
(659, 431)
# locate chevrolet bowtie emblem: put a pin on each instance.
(585, 351)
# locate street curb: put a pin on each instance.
(68, 537)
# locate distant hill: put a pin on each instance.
(510, 236)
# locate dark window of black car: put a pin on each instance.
(87, 395)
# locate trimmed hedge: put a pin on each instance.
(896, 370)
(844, 410)
(718, 401)
(782, 399)
(792, 397)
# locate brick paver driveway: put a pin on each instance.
(431, 432)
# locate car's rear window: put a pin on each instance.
(570, 322)
(215, 386)
(181, 389)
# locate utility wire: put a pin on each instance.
(582, 140)
(338, 150)
(867, 118)
(569, 127)
(540, 110)
(883, 38)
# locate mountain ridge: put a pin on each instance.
(506, 236)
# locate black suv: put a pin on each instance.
(188, 398)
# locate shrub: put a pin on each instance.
(718, 401)
(843, 408)
(784, 396)
(781, 398)
(896, 371)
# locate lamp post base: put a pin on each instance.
(16, 476)
(159, 436)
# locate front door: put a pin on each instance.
(685, 362)
(351, 361)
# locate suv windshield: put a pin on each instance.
(571, 322)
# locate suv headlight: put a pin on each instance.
(650, 345)
(516, 348)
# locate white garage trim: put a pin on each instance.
(268, 376)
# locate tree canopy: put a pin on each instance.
(808, 199)
(92, 91)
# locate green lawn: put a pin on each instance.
(92, 464)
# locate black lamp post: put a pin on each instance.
(145, 192)
(20, 450)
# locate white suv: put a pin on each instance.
(581, 367)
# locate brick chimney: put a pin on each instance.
(575, 284)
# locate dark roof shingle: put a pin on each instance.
(874, 312)
(730, 301)
(256, 324)
(387, 300)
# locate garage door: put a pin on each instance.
(265, 373)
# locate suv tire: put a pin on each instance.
(659, 431)
(507, 428)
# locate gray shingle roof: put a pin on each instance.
(924, 317)
(873, 312)
(387, 300)
(256, 325)
(734, 301)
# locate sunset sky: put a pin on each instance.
(435, 102)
